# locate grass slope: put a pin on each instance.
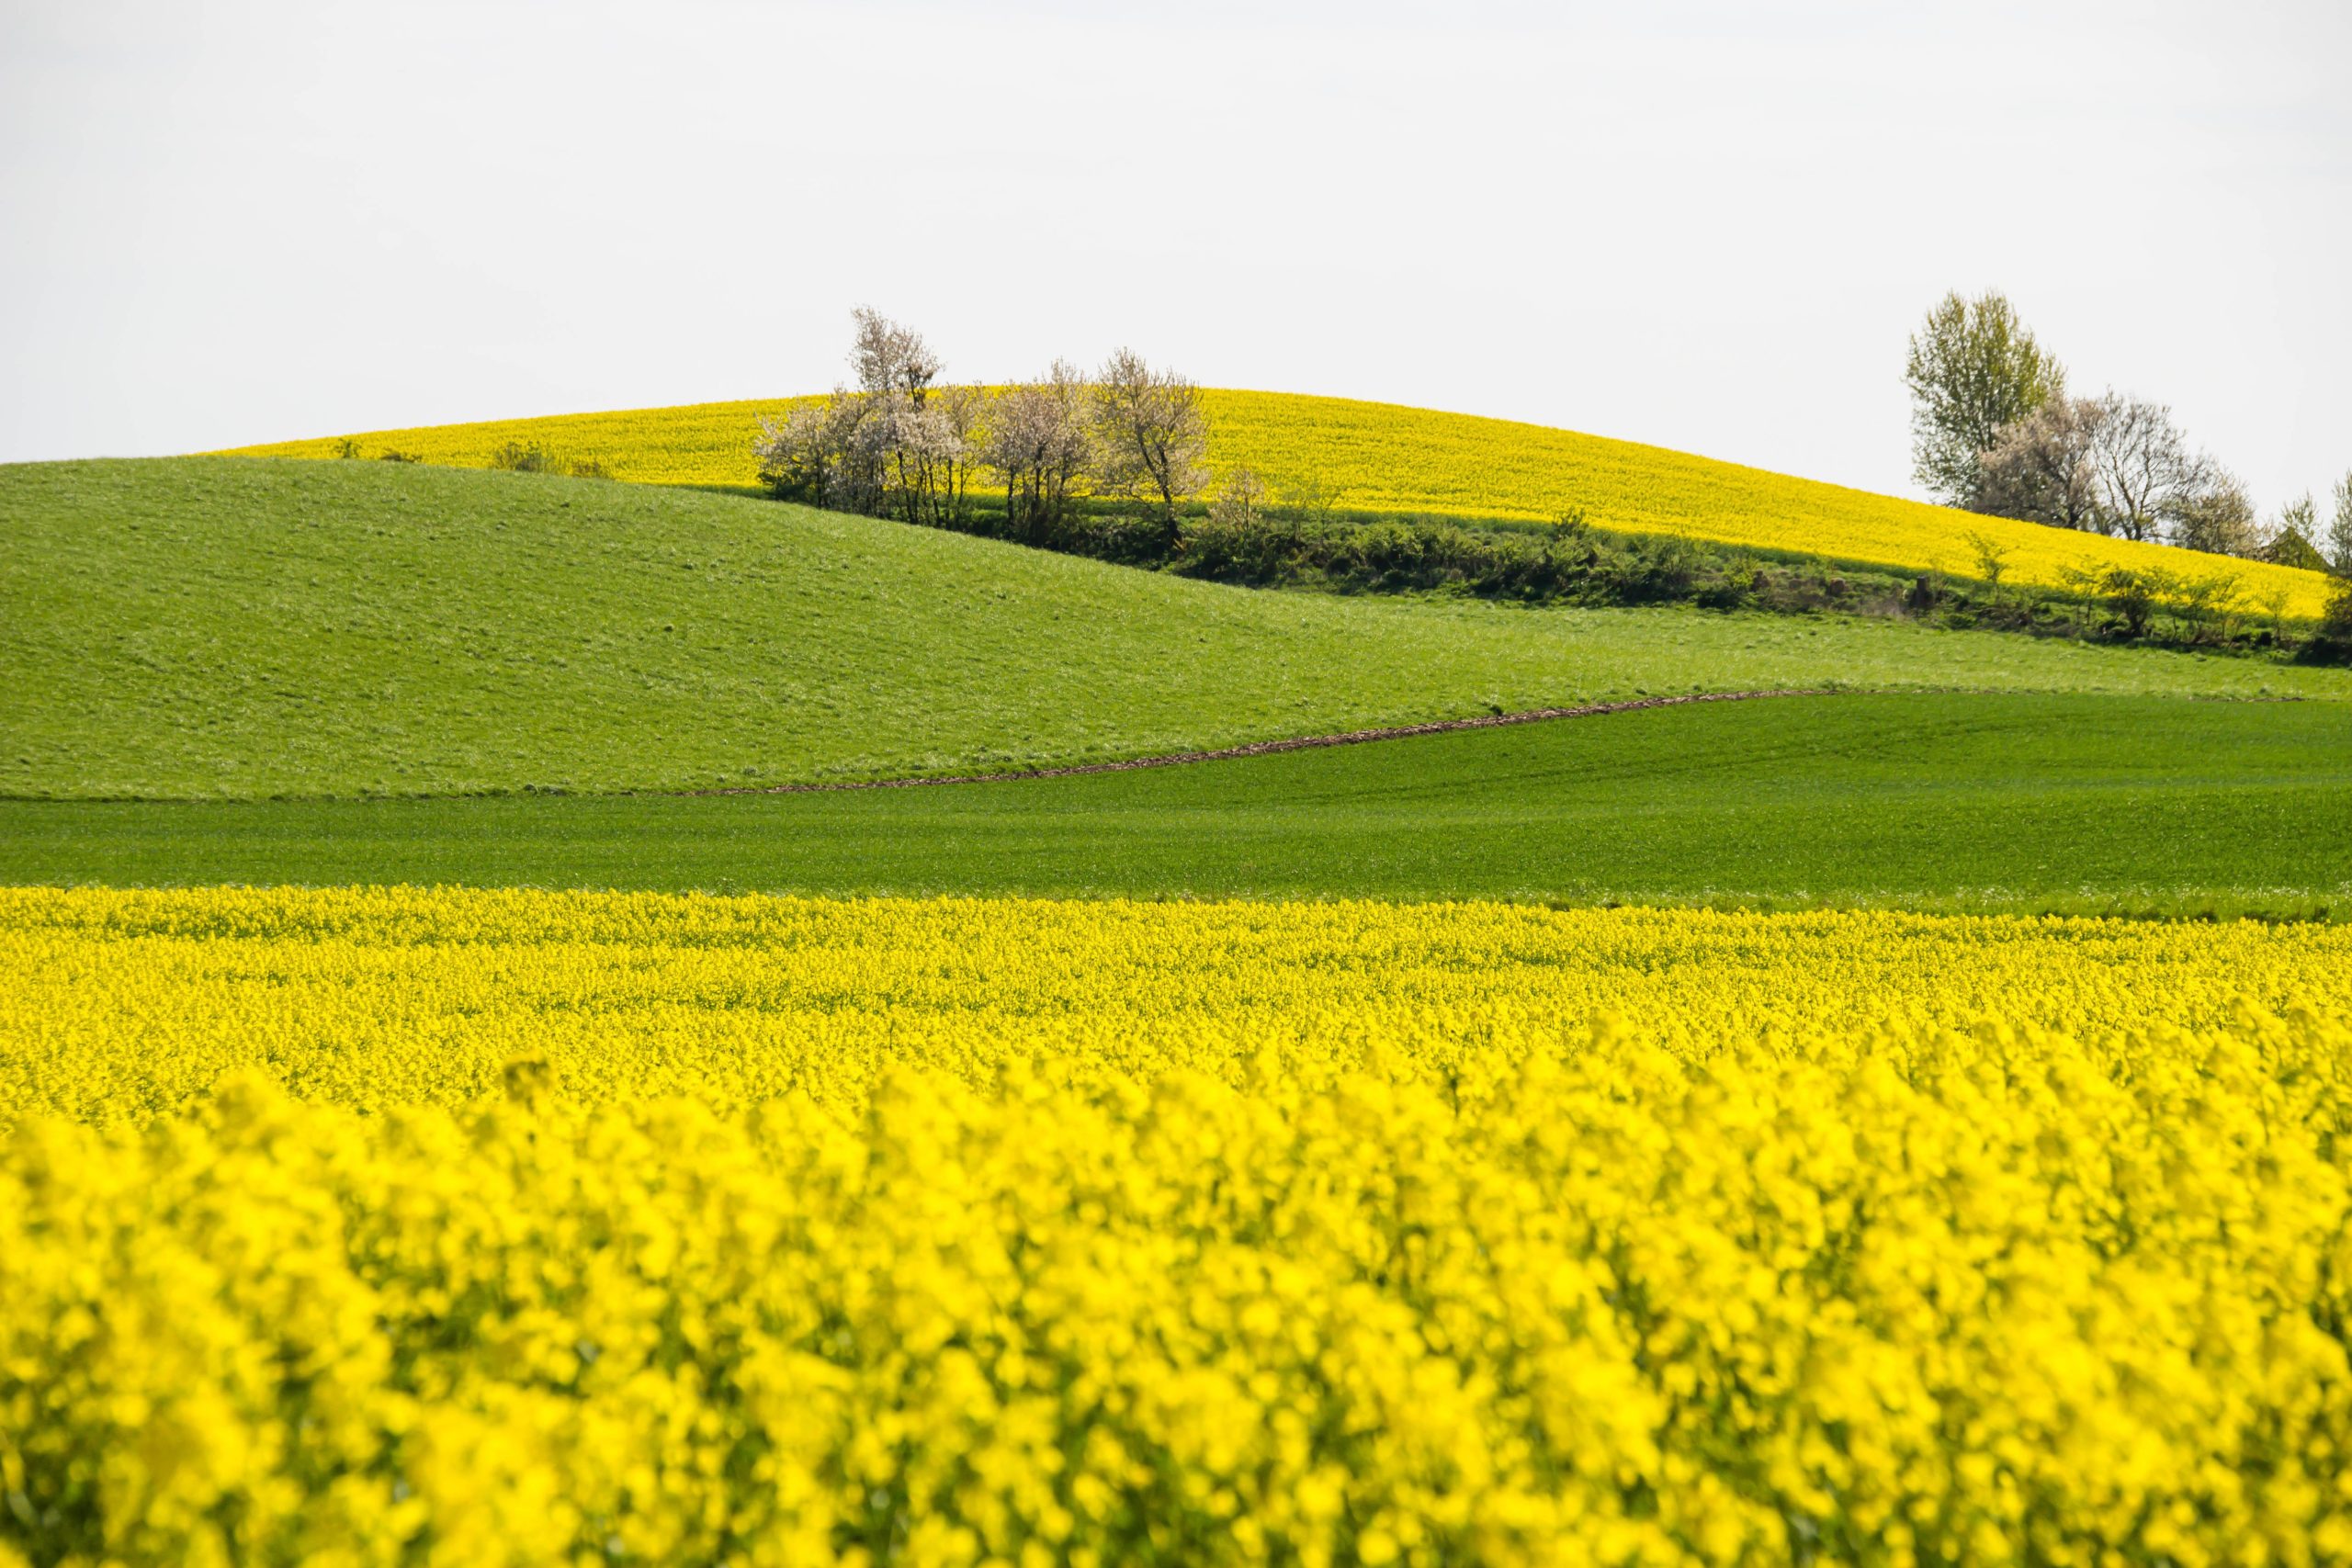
(197, 628)
(1930, 801)
(1386, 458)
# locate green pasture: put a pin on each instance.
(2001, 802)
(237, 628)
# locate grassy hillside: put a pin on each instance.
(1382, 458)
(221, 628)
(2074, 804)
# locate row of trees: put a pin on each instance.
(901, 443)
(1999, 432)
(1994, 430)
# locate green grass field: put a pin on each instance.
(232, 629)
(1966, 802)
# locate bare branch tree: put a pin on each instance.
(2145, 470)
(2338, 549)
(962, 412)
(895, 368)
(919, 450)
(891, 358)
(2216, 515)
(2039, 468)
(898, 444)
(1151, 434)
(819, 453)
(1039, 440)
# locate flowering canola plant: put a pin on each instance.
(1470, 1234)
(1383, 458)
(122, 1005)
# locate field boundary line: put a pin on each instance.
(1271, 748)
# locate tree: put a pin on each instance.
(2145, 472)
(1240, 498)
(2292, 537)
(1038, 439)
(1991, 563)
(898, 444)
(1152, 433)
(961, 412)
(2209, 605)
(2216, 515)
(1972, 371)
(2334, 642)
(818, 454)
(917, 436)
(2297, 533)
(2039, 468)
(2274, 602)
(2338, 549)
(1312, 501)
(2133, 593)
(920, 454)
(891, 358)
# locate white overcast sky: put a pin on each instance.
(1705, 226)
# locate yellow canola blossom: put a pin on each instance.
(1388, 460)
(1909, 1296)
(475, 1228)
(119, 1005)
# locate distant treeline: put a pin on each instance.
(902, 444)
(1994, 429)
(1111, 466)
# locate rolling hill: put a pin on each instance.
(217, 627)
(1918, 800)
(1383, 458)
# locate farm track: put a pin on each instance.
(1268, 748)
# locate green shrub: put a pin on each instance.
(526, 457)
(2332, 644)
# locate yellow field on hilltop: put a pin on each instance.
(1386, 458)
(466, 1228)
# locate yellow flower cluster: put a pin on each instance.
(510, 1227)
(123, 1004)
(1896, 1297)
(1382, 457)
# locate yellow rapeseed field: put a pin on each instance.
(1381, 457)
(510, 1227)
(378, 998)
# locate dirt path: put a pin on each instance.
(1267, 748)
